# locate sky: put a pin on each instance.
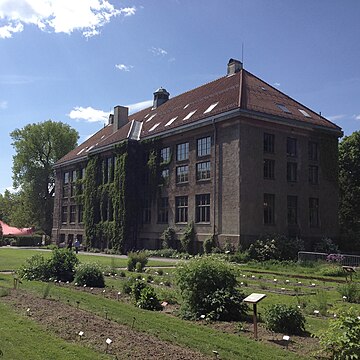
(73, 61)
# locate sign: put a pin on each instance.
(254, 298)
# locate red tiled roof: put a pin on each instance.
(242, 91)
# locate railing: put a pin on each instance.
(343, 259)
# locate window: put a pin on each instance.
(73, 183)
(74, 175)
(314, 212)
(64, 214)
(66, 178)
(65, 191)
(313, 151)
(291, 172)
(269, 169)
(182, 151)
(292, 210)
(165, 176)
(147, 211)
(269, 143)
(203, 208)
(269, 209)
(110, 169)
(204, 146)
(283, 108)
(82, 173)
(313, 175)
(72, 213)
(182, 174)
(80, 214)
(181, 209)
(163, 210)
(291, 147)
(203, 170)
(165, 155)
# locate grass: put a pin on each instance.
(174, 330)
(11, 259)
(21, 338)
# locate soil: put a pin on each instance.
(66, 321)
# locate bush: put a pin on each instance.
(201, 282)
(240, 257)
(331, 270)
(30, 240)
(168, 238)
(148, 299)
(275, 247)
(62, 264)
(284, 319)
(136, 288)
(351, 291)
(187, 238)
(89, 275)
(341, 338)
(326, 245)
(137, 257)
(36, 268)
(209, 244)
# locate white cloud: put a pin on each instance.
(277, 84)
(158, 51)
(357, 117)
(336, 117)
(3, 104)
(60, 16)
(124, 67)
(89, 114)
(139, 106)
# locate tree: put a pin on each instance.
(349, 183)
(38, 147)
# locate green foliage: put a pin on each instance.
(168, 238)
(331, 270)
(89, 275)
(341, 338)
(284, 319)
(60, 266)
(188, 238)
(148, 300)
(240, 257)
(351, 291)
(326, 245)
(135, 258)
(202, 281)
(31, 240)
(209, 244)
(36, 268)
(37, 148)
(137, 287)
(349, 186)
(275, 246)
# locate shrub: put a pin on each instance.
(331, 270)
(209, 244)
(137, 257)
(136, 288)
(89, 275)
(148, 300)
(62, 264)
(284, 319)
(187, 238)
(168, 238)
(30, 240)
(341, 338)
(201, 281)
(326, 245)
(240, 257)
(351, 291)
(36, 268)
(127, 284)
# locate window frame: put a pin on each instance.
(182, 176)
(292, 210)
(291, 171)
(202, 208)
(269, 143)
(182, 151)
(181, 209)
(64, 214)
(291, 147)
(313, 174)
(163, 210)
(167, 152)
(314, 212)
(203, 146)
(313, 151)
(269, 209)
(203, 174)
(72, 218)
(269, 169)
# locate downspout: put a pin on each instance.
(214, 182)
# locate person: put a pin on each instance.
(70, 242)
(77, 245)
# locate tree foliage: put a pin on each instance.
(37, 148)
(349, 182)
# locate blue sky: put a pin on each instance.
(73, 61)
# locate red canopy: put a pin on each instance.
(10, 230)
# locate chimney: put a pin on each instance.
(160, 97)
(111, 119)
(234, 66)
(120, 117)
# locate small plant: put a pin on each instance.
(135, 258)
(322, 301)
(127, 285)
(350, 291)
(326, 245)
(89, 275)
(160, 272)
(4, 292)
(284, 319)
(341, 338)
(209, 244)
(148, 299)
(188, 237)
(36, 268)
(136, 289)
(335, 258)
(46, 290)
(62, 264)
(168, 238)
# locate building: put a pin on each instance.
(235, 156)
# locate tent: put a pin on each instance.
(11, 230)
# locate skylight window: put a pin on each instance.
(186, 106)
(189, 115)
(146, 116)
(91, 147)
(283, 108)
(171, 121)
(151, 117)
(304, 113)
(80, 151)
(154, 127)
(102, 137)
(210, 108)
